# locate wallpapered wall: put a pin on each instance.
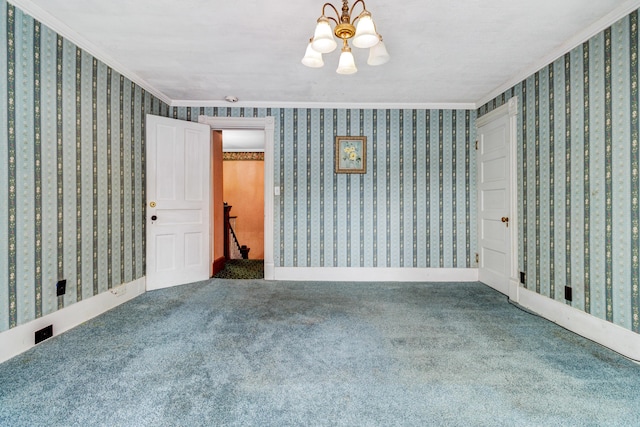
(578, 167)
(415, 206)
(72, 181)
(73, 146)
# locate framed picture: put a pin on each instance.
(351, 154)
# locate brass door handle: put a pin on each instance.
(505, 219)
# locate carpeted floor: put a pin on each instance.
(242, 269)
(257, 353)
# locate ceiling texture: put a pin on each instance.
(447, 54)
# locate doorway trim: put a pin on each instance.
(268, 125)
(510, 109)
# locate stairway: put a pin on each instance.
(232, 247)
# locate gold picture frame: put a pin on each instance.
(351, 154)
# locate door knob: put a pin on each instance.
(505, 219)
(153, 217)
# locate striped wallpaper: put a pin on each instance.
(74, 186)
(415, 206)
(578, 168)
(72, 182)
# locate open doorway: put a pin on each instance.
(243, 195)
(266, 126)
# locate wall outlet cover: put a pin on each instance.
(43, 334)
(568, 294)
(61, 287)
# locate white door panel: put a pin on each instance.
(494, 199)
(493, 170)
(493, 231)
(495, 260)
(494, 141)
(196, 165)
(178, 202)
(494, 203)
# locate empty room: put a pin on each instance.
(267, 213)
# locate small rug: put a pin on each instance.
(242, 269)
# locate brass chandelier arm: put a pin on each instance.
(364, 9)
(346, 16)
(330, 17)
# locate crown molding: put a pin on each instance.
(340, 105)
(584, 35)
(61, 28)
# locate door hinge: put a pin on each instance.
(476, 144)
(477, 258)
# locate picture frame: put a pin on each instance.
(351, 154)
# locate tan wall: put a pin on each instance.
(244, 191)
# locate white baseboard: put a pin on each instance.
(608, 334)
(375, 274)
(514, 290)
(21, 338)
(269, 273)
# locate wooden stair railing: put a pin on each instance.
(230, 237)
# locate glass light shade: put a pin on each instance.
(323, 40)
(366, 35)
(347, 64)
(378, 54)
(312, 58)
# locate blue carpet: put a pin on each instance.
(256, 353)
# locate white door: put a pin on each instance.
(494, 193)
(178, 202)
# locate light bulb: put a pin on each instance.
(323, 40)
(378, 54)
(366, 35)
(346, 65)
(312, 58)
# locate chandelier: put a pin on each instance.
(364, 36)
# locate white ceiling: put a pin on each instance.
(242, 140)
(195, 52)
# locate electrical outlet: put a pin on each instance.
(61, 287)
(522, 277)
(44, 333)
(567, 293)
